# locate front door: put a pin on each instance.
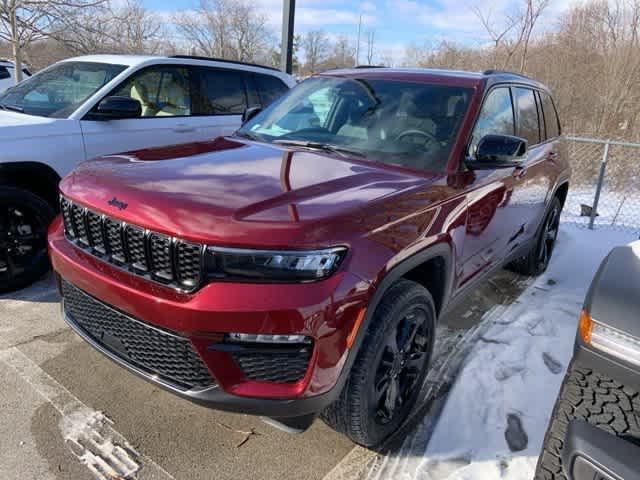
(494, 218)
(170, 114)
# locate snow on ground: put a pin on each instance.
(495, 416)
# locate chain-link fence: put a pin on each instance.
(605, 183)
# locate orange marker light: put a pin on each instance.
(585, 327)
(356, 326)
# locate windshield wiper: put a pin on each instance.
(327, 147)
(13, 108)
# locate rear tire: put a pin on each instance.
(390, 368)
(587, 395)
(537, 260)
(24, 219)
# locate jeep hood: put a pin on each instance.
(233, 192)
(19, 126)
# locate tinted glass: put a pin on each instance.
(162, 91)
(408, 124)
(222, 92)
(527, 115)
(270, 88)
(550, 116)
(496, 117)
(4, 73)
(61, 88)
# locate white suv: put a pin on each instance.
(8, 74)
(102, 104)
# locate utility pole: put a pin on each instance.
(286, 47)
(358, 42)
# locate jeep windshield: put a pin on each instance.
(59, 90)
(409, 124)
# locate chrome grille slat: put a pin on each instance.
(154, 256)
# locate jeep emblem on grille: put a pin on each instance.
(114, 202)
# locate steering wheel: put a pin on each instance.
(429, 137)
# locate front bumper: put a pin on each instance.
(325, 311)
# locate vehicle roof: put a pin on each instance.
(459, 77)
(141, 60)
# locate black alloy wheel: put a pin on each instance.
(24, 219)
(548, 238)
(400, 365)
(389, 371)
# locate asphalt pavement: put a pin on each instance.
(67, 412)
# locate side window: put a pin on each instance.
(528, 126)
(4, 73)
(162, 91)
(496, 117)
(221, 92)
(270, 88)
(550, 116)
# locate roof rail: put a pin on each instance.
(370, 66)
(505, 72)
(223, 60)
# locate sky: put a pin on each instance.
(396, 23)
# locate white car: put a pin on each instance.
(8, 74)
(95, 105)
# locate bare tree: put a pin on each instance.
(231, 29)
(343, 54)
(316, 48)
(23, 22)
(371, 34)
(513, 33)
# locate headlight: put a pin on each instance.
(610, 340)
(272, 265)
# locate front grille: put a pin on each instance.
(279, 367)
(157, 352)
(154, 256)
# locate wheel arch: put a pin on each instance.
(418, 268)
(35, 177)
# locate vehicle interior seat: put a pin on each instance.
(139, 92)
(174, 99)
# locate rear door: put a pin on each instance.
(534, 181)
(166, 95)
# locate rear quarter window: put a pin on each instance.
(4, 73)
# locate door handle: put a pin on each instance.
(184, 129)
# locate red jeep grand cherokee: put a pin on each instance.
(299, 267)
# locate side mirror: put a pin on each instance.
(114, 108)
(498, 151)
(249, 113)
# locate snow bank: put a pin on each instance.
(510, 380)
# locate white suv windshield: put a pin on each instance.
(60, 89)
(409, 124)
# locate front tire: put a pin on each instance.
(592, 397)
(390, 368)
(24, 219)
